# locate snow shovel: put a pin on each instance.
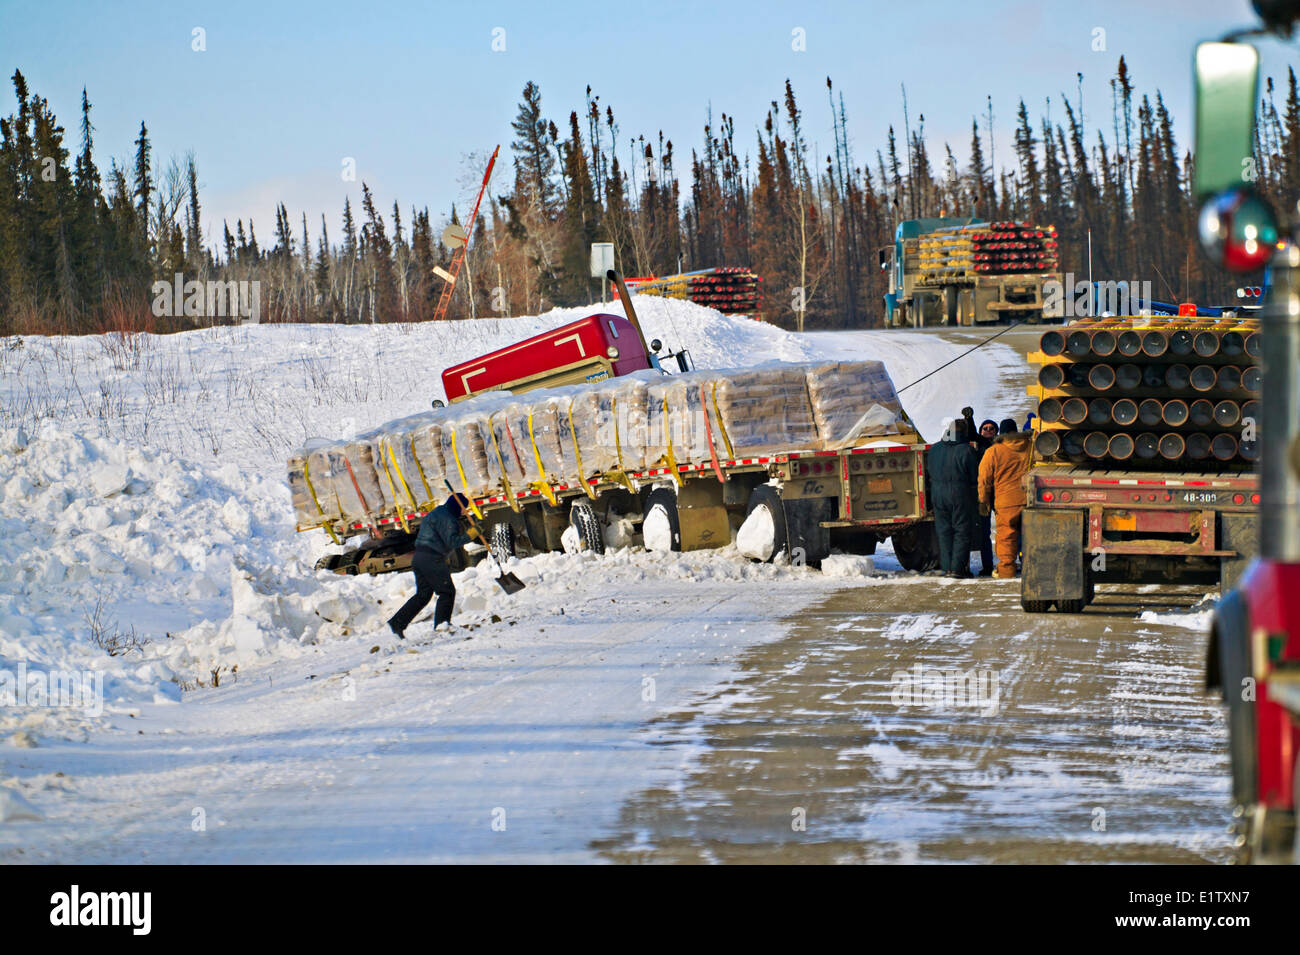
(505, 580)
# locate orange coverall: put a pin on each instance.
(1000, 487)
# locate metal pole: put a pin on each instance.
(1092, 291)
(1279, 425)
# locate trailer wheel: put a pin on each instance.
(583, 518)
(1071, 606)
(659, 524)
(1035, 606)
(763, 534)
(917, 548)
(502, 541)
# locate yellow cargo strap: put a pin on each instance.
(582, 474)
(455, 453)
(668, 440)
(392, 457)
(543, 485)
(621, 474)
(428, 500)
(731, 452)
(306, 476)
(505, 481)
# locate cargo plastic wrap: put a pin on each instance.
(609, 419)
(675, 420)
(853, 400)
(466, 443)
(352, 468)
(762, 411)
(552, 440)
(311, 487)
(426, 449)
(400, 474)
(510, 447)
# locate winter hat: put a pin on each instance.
(1029, 421)
(988, 421)
(1008, 426)
(458, 503)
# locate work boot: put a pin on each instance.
(397, 633)
(443, 627)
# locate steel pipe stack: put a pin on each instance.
(1150, 392)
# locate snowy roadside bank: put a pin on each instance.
(516, 740)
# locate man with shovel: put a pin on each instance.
(439, 537)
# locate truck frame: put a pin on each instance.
(1082, 526)
(852, 499)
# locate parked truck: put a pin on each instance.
(948, 271)
(810, 500)
(1142, 459)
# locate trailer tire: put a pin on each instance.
(769, 499)
(583, 518)
(661, 504)
(501, 539)
(917, 548)
(1035, 606)
(1071, 606)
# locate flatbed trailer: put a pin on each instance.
(1082, 526)
(850, 499)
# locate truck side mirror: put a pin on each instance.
(655, 345)
(1237, 228)
(883, 256)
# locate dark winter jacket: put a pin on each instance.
(953, 465)
(440, 531)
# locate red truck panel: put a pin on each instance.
(587, 339)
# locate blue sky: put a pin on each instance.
(285, 90)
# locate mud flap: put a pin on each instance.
(1228, 669)
(808, 541)
(1239, 532)
(702, 516)
(1054, 567)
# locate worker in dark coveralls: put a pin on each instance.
(439, 537)
(954, 473)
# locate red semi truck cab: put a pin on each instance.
(598, 346)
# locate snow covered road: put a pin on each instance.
(516, 741)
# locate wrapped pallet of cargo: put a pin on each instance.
(466, 439)
(403, 479)
(551, 440)
(676, 428)
(761, 410)
(355, 481)
(509, 454)
(426, 454)
(609, 421)
(853, 401)
(310, 485)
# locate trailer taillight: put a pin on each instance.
(1238, 499)
(1254, 499)
(1049, 496)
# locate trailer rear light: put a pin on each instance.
(1137, 497)
(1254, 499)
(1049, 496)
(1066, 496)
(1238, 499)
